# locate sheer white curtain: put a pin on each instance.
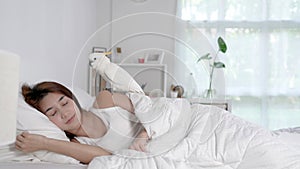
(262, 74)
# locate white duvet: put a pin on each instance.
(198, 136)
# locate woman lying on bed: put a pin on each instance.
(199, 135)
(62, 108)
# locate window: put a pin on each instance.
(262, 71)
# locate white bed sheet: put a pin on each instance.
(39, 165)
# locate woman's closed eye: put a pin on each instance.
(65, 103)
(53, 113)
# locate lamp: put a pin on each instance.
(9, 78)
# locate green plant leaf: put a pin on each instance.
(219, 65)
(222, 45)
(206, 56)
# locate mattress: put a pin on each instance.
(44, 165)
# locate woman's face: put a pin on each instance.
(62, 111)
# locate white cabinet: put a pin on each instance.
(153, 76)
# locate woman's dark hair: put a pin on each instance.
(33, 95)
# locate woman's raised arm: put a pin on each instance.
(106, 99)
(27, 142)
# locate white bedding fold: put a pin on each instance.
(157, 115)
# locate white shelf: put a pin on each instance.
(222, 103)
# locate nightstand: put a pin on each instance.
(222, 103)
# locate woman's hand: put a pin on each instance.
(140, 142)
(30, 142)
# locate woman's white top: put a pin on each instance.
(122, 128)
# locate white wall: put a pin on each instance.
(132, 23)
(54, 37)
(140, 28)
(48, 35)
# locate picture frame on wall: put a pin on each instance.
(99, 50)
(155, 58)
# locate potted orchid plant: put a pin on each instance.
(209, 93)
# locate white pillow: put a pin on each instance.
(85, 100)
(33, 121)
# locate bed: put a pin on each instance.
(185, 136)
(18, 160)
(176, 158)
